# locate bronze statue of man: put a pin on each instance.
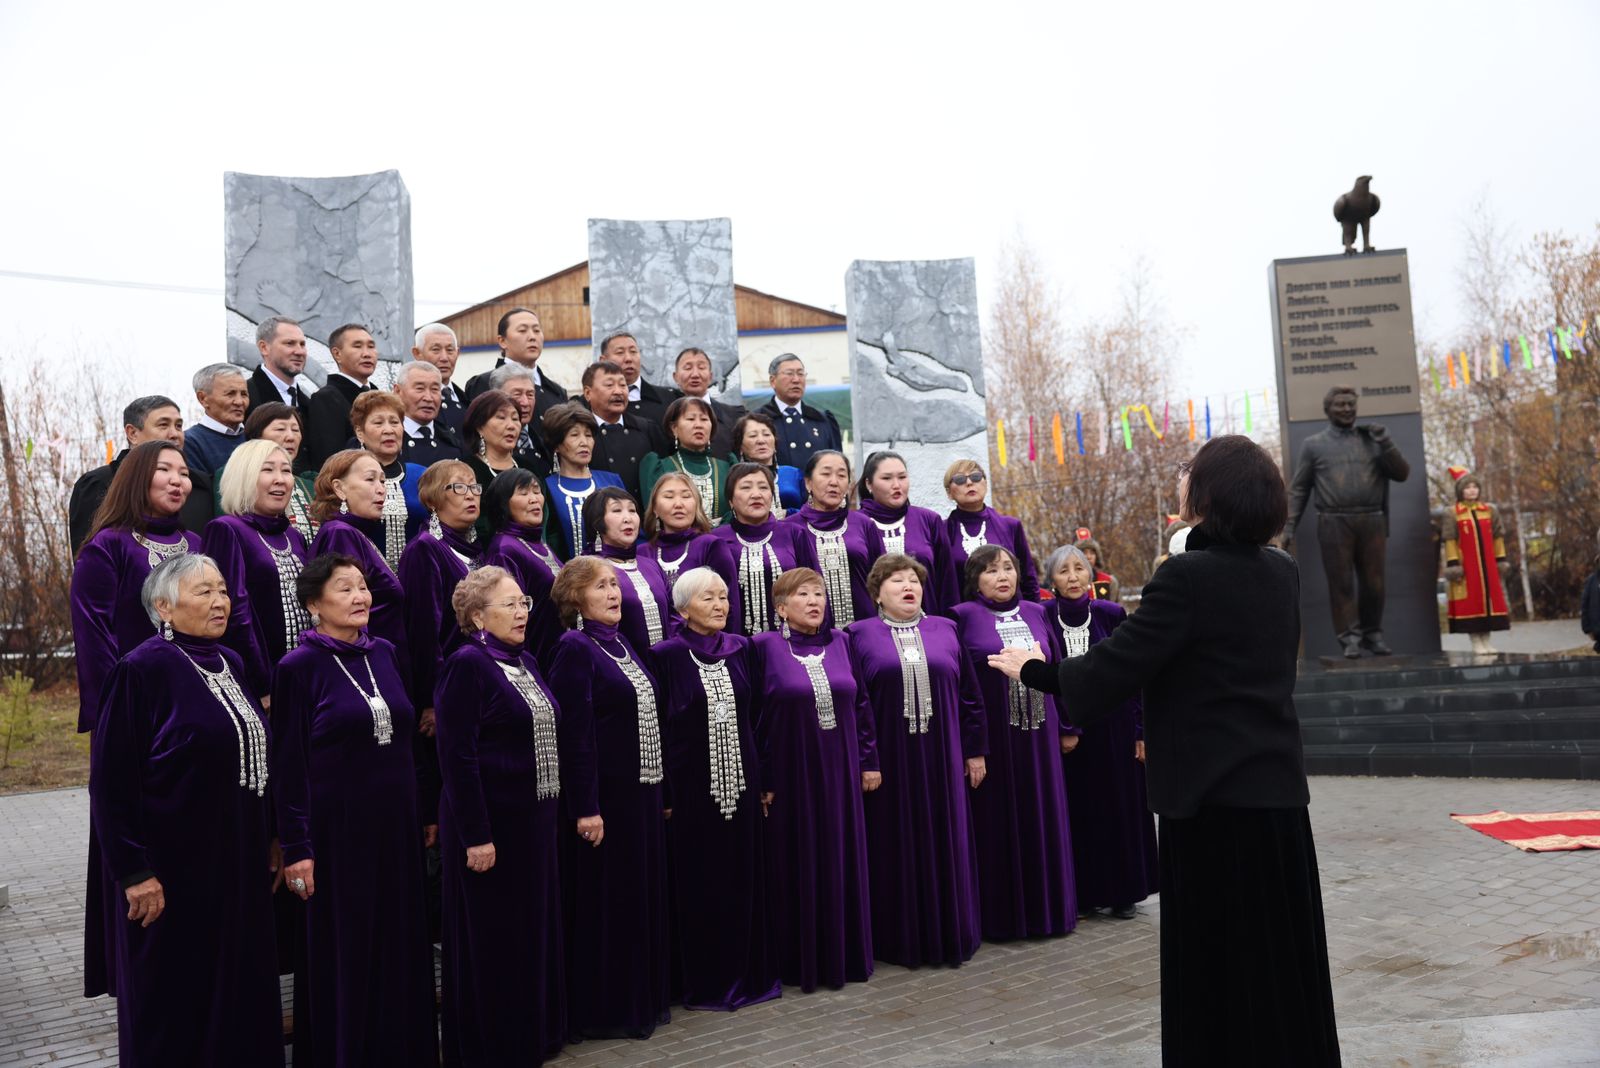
(1348, 468)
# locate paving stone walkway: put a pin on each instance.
(1448, 948)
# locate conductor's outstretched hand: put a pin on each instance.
(1009, 661)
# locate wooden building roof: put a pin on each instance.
(562, 301)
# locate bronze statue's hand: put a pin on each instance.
(1377, 431)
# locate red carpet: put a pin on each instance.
(1538, 832)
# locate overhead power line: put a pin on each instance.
(164, 287)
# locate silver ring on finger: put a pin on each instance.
(298, 885)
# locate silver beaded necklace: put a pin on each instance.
(971, 543)
(916, 692)
(646, 595)
(1074, 639)
(893, 534)
(394, 520)
(705, 486)
(821, 688)
(758, 570)
(247, 726)
(157, 551)
(645, 697)
(1026, 706)
(573, 500)
(834, 559)
(670, 568)
(547, 767)
(382, 720)
(722, 732)
(288, 565)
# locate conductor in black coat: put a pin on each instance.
(153, 418)
(1213, 647)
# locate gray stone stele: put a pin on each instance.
(670, 284)
(916, 367)
(325, 251)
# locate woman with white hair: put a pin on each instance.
(714, 792)
(260, 554)
(178, 794)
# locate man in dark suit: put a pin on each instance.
(692, 375)
(282, 345)
(154, 418)
(327, 419)
(802, 429)
(427, 438)
(624, 439)
(646, 401)
(521, 342)
(436, 344)
(518, 383)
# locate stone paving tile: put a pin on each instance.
(1447, 948)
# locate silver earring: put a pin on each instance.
(166, 630)
(344, 507)
(783, 628)
(580, 623)
(599, 543)
(433, 526)
(483, 447)
(316, 620)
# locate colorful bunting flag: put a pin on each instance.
(1000, 440)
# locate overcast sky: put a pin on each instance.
(1205, 138)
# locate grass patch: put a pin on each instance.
(56, 755)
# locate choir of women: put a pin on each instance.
(758, 738)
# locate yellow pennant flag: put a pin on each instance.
(1000, 439)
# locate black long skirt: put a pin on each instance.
(1244, 956)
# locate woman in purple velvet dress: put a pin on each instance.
(891, 525)
(815, 744)
(929, 724)
(714, 794)
(346, 797)
(760, 547)
(612, 516)
(135, 528)
(503, 1000)
(349, 506)
(838, 537)
(611, 774)
(513, 510)
(973, 523)
(260, 554)
(178, 794)
(1113, 832)
(1024, 858)
(678, 531)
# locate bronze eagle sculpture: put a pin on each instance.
(1356, 208)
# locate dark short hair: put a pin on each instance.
(819, 455)
(264, 415)
(497, 498)
(483, 408)
(677, 408)
(889, 564)
(743, 424)
(559, 421)
(1237, 491)
(337, 337)
(598, 368)
(605, 342)
(594, 512)
(690, 351)
(1337, 391)
(739, 471)
(505, 320)
(870, 468)
(315, 576)
(139, 409)
(981, 560)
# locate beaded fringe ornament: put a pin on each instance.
(1075, 639)
(545, 554)
(821, 690)
(574, 505)
(916, 692)
(894, 536)
(394, 520)
(382, 718)
(157, 551)
(295, 617)
(649, 729)
(705, 487)
(547, 765)
(647, 597)
(299, 511)
(722, 734)
(758, 570)
(834, 560)
(1026, 706)
(247, 726)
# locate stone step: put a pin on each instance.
(1451, 669)
(1575, 692)
(1500, 759)
(1558, 724)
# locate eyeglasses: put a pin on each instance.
(525, 603)
(976, 478)
(465, 489)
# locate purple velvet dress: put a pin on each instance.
(921, 534)
(521, 551)
(266, 619)
(346, 797)
(832, 535)
(989, 527)
(920, 848)
(1113, 832)
(772, 548)
(684, 550)
(714, 790)
(615, 893)
(640, 577)
(200, 984)
(363, 539)
(811, 760)
(108, 623)
(504, 998)
(430, 568)
(1020, 811)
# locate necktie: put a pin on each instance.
(791, 411)
(425, 434)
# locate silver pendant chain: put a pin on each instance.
(295, 617)
(573, 502)
(649, 729)
(821, 688)
(916, 692)
(647, 597)
(157, 551)
(670, 568)
(547, 765)
(971, 543)
(705, 486)
(394, 520)
(1074, 639)
(722, 731)
(834, 559)
(893, 534)
(382, 720)
(758, 570)
(299, 512)
(247, 726)
(544, 554)
(1026, 706)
